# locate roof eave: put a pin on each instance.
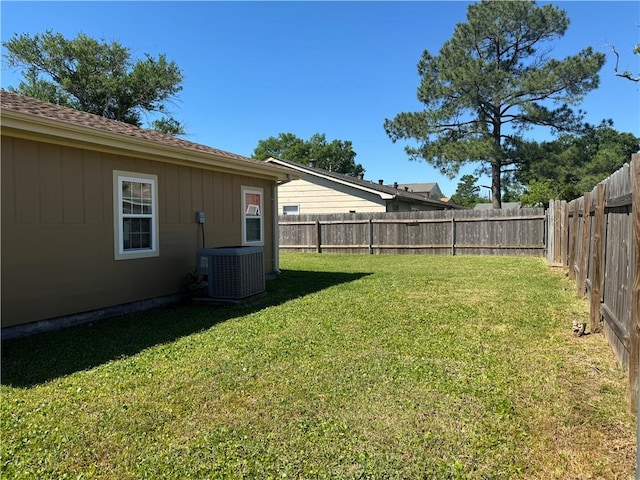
(301, 168)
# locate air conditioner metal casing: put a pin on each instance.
(233, 273)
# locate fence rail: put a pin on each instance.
(597, 238)
(451, 232)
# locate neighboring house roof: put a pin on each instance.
(450, 201)
(384, 191)
(424, 188)
(505, 206)
(30, 118)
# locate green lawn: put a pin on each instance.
(351, 367)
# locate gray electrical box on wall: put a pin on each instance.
(200, 217)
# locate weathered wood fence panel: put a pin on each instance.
(603, 255)
(451, 232)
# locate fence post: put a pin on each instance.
(598, 261)
(318, 237)
(634, 347)
(557, 251)
(551, 232)
(586, 233)
(565, 233)
(453, 233)
(370, 236)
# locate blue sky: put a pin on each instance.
(255, 69)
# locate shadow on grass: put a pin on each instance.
(30, 361)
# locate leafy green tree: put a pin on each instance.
(491, 81)
(574, 163)
(511, 188)
(467, 192)
(95, 77)
(539, 192)
(336, 156)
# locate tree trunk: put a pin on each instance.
(496, 187)
(496, 161)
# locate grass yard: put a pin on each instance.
(404, 367)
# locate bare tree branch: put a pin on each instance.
(628, 75)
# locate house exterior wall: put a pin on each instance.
(410, 207)
(436, 193)
(58, 229)
(323, 196)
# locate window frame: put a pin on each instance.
(120, 253)
(260, 214)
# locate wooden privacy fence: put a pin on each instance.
(597, 237)
(449, 232)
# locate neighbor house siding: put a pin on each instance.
(323, 196)
(410, 207)
(57, 226)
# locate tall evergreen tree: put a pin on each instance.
(491, 81)
(467, 192)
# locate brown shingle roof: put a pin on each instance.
(19, 103)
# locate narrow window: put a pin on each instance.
(291, 209)
(135, 215)
(252, 224)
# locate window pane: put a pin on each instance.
(252, 230)
(136, 233)
(126, 189)
(145, 193)
(135, 240)
(290, 210)
(136, 198)
(145, 241)
(252, 199)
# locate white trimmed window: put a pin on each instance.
(291, 209)
(252, 216)
(135, 207)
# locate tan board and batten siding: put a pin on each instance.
(58, 225)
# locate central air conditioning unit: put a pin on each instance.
(232, 273)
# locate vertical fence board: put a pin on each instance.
(318, 237)
(564, 227)
(598, 257)
(634, 357)
(453, 234)
(584, 244)
(557, 227)
(573, 237)
(550, 232)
